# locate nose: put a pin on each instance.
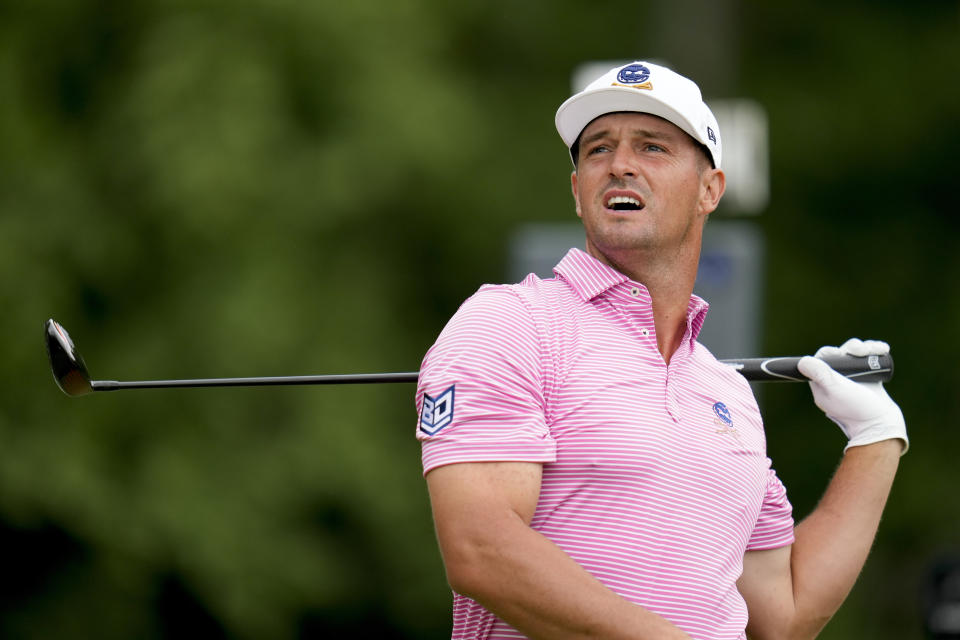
(623, 162)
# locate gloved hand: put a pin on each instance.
(864, 411)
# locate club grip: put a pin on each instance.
(859, 368)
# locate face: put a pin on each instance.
(642, 188)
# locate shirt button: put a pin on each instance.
(635, 292)
(644, 332)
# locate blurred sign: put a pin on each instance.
(743, 125)
(942, 600)
(730, 278)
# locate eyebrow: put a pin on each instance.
(642, 133)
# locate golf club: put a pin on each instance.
(73, 378)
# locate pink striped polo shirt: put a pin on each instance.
(655, 477)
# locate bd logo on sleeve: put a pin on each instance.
(437, 411)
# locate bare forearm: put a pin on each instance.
(533, 585)
(833, 542)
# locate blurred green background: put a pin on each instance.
(270, 188)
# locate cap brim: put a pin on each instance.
(580, 110)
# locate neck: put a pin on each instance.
(670, 283)
(670, 305)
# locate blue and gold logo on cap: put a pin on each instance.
(635, 76)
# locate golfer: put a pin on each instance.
(594, 471)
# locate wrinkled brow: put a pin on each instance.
(637, 133)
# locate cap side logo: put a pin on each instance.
(633, 76)
(711, 135)
(437, 412)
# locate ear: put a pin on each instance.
(713, 184)
(576, 199)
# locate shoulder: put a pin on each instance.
(723, 373)
(723, 378)
(499, 328)
(495, 319)
(492, 308)
(501, 306)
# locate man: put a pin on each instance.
(594, 472)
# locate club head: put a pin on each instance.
(68, 368)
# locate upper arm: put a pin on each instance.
(475, 505)
(767, 587)
(461, 495)
(767, 580)
(487, 367)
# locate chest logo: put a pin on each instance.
(724, 421)
(723, 414)
(437, 411)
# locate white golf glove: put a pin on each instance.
(863, 410)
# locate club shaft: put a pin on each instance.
(359, 378)
(782, 369)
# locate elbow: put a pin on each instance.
(470, 572)
(786, 633)
(465, 580)
(794, 625)
(483, 562)
(806, 627)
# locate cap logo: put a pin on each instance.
(633, 74)
(711, 135)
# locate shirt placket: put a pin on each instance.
(637, 310)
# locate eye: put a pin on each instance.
(600, 148)
(653, 147)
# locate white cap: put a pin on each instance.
(645, 88)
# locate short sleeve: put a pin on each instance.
(774, 526)
(480, 391)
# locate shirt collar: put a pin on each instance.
(589, 278)
(586, 275)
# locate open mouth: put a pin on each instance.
(624, 203)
